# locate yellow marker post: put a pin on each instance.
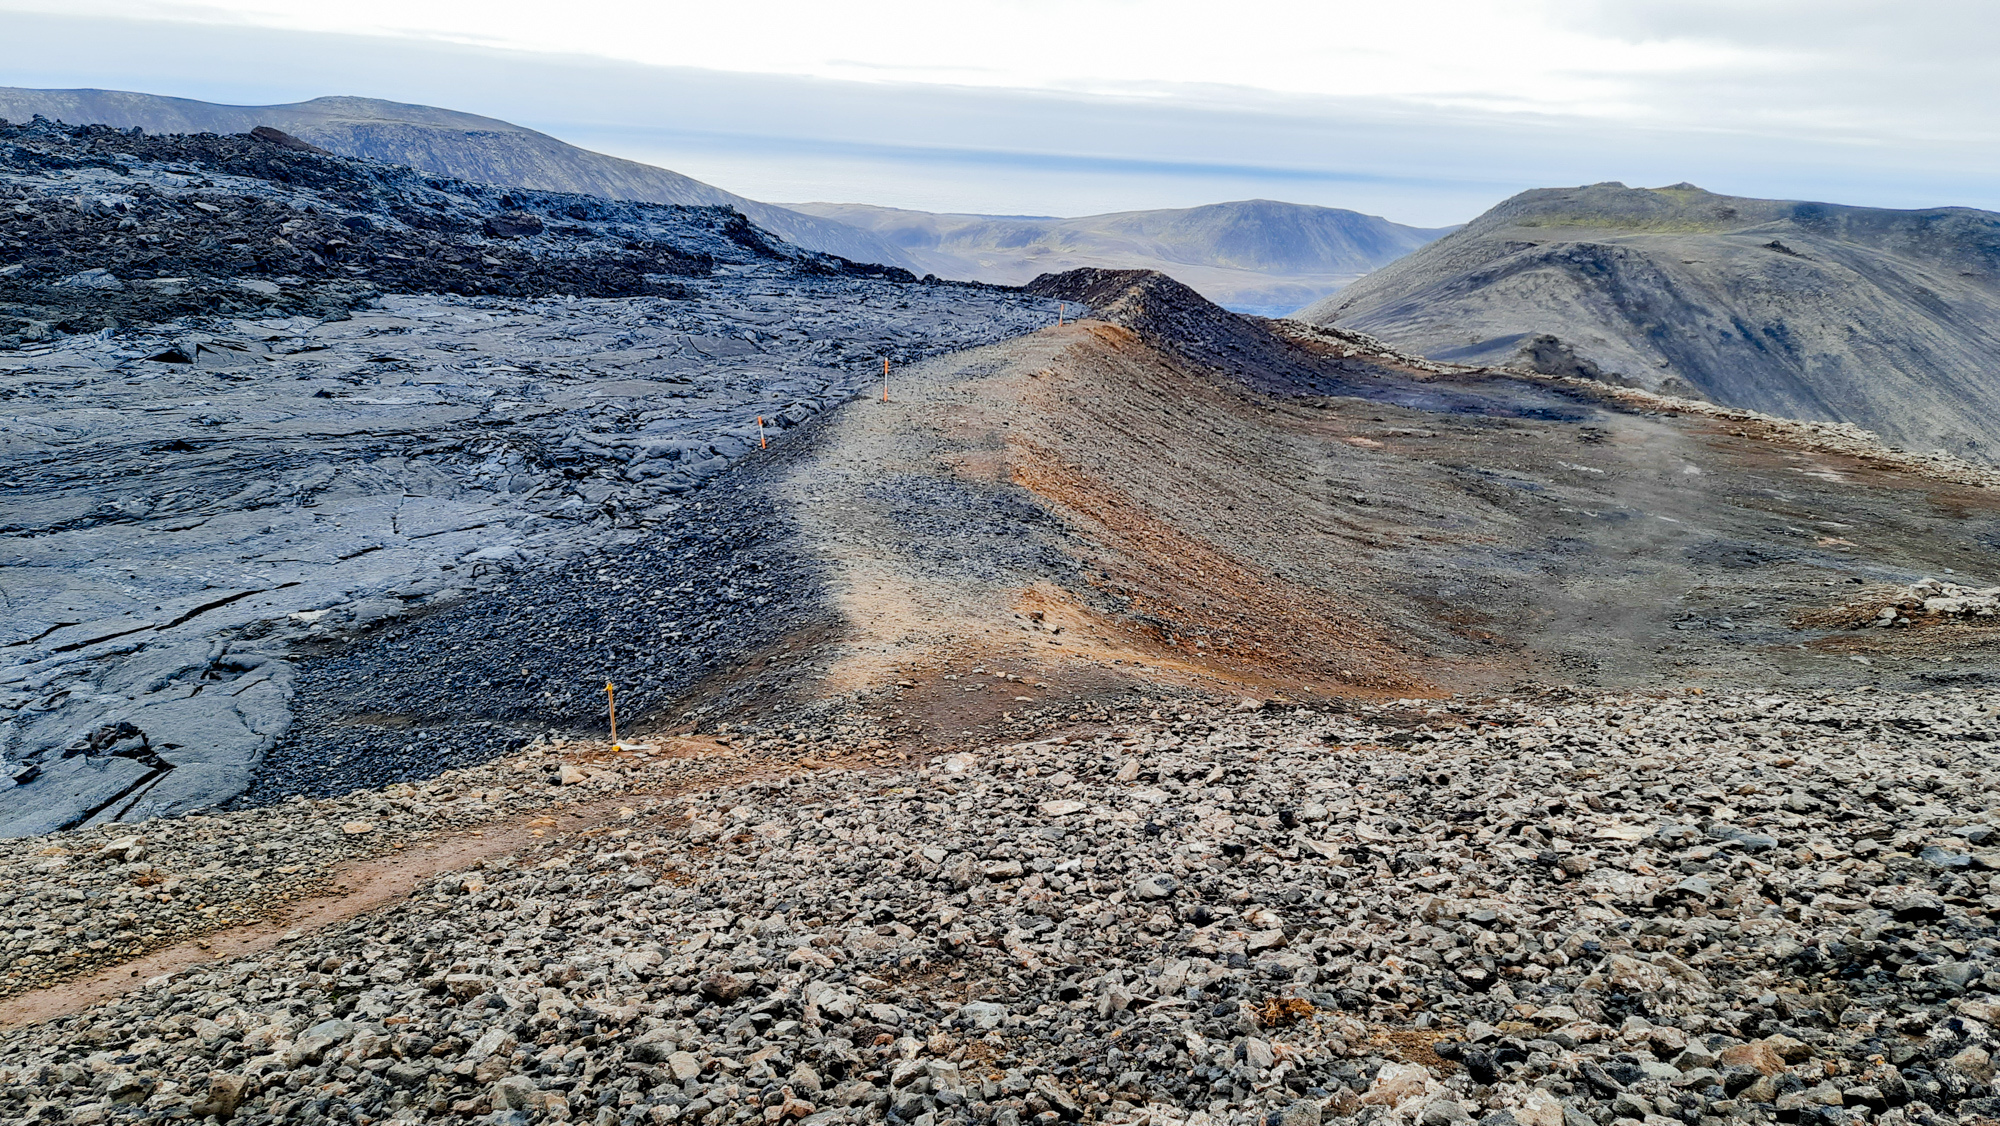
(761, 443)
(885, 379)
(1062, 309)
(611, 698)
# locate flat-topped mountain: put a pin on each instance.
(1255, 255)
(1887, 319)
(467, 146)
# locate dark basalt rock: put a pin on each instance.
(512, 224)
(173, 223)
(284, 140)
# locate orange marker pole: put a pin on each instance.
(1062, 308)
(611, 698)
(761, 443)
(885, 379)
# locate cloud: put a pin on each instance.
(1425, 112)
(1848, 69)
(1493, 54)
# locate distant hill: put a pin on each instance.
(447, 142)
(1253, 256)
(1887, 319)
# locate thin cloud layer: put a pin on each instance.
(1518, 55)
(1426, 113)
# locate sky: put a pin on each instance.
(1424, 111)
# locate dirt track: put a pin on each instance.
(370, 871)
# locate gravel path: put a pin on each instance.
(1670, 908)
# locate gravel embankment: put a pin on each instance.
(1665, 910)
(477, 679)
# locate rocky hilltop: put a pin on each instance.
(1256, 255)
(1886, 319)
(446, 142)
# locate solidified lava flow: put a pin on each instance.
(270, 405)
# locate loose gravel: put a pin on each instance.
(1571, 910)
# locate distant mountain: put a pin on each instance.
(447, 142)
(1886, 319)
(1253, 256)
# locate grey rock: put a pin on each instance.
(651, 1052)
(1630, 1105)
(1945, 858)
(515, 1092)
(1695, 1056)
(1058, 1097)
(684, 1065)
(406, 1073)
(314, 1042)
(91, 279)
(1960, 974)
(982, 1014)
(1918, 907)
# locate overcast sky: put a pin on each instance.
(1426, 111)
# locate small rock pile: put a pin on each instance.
(1642, 910)
(1924, 602)
(1935, 599)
